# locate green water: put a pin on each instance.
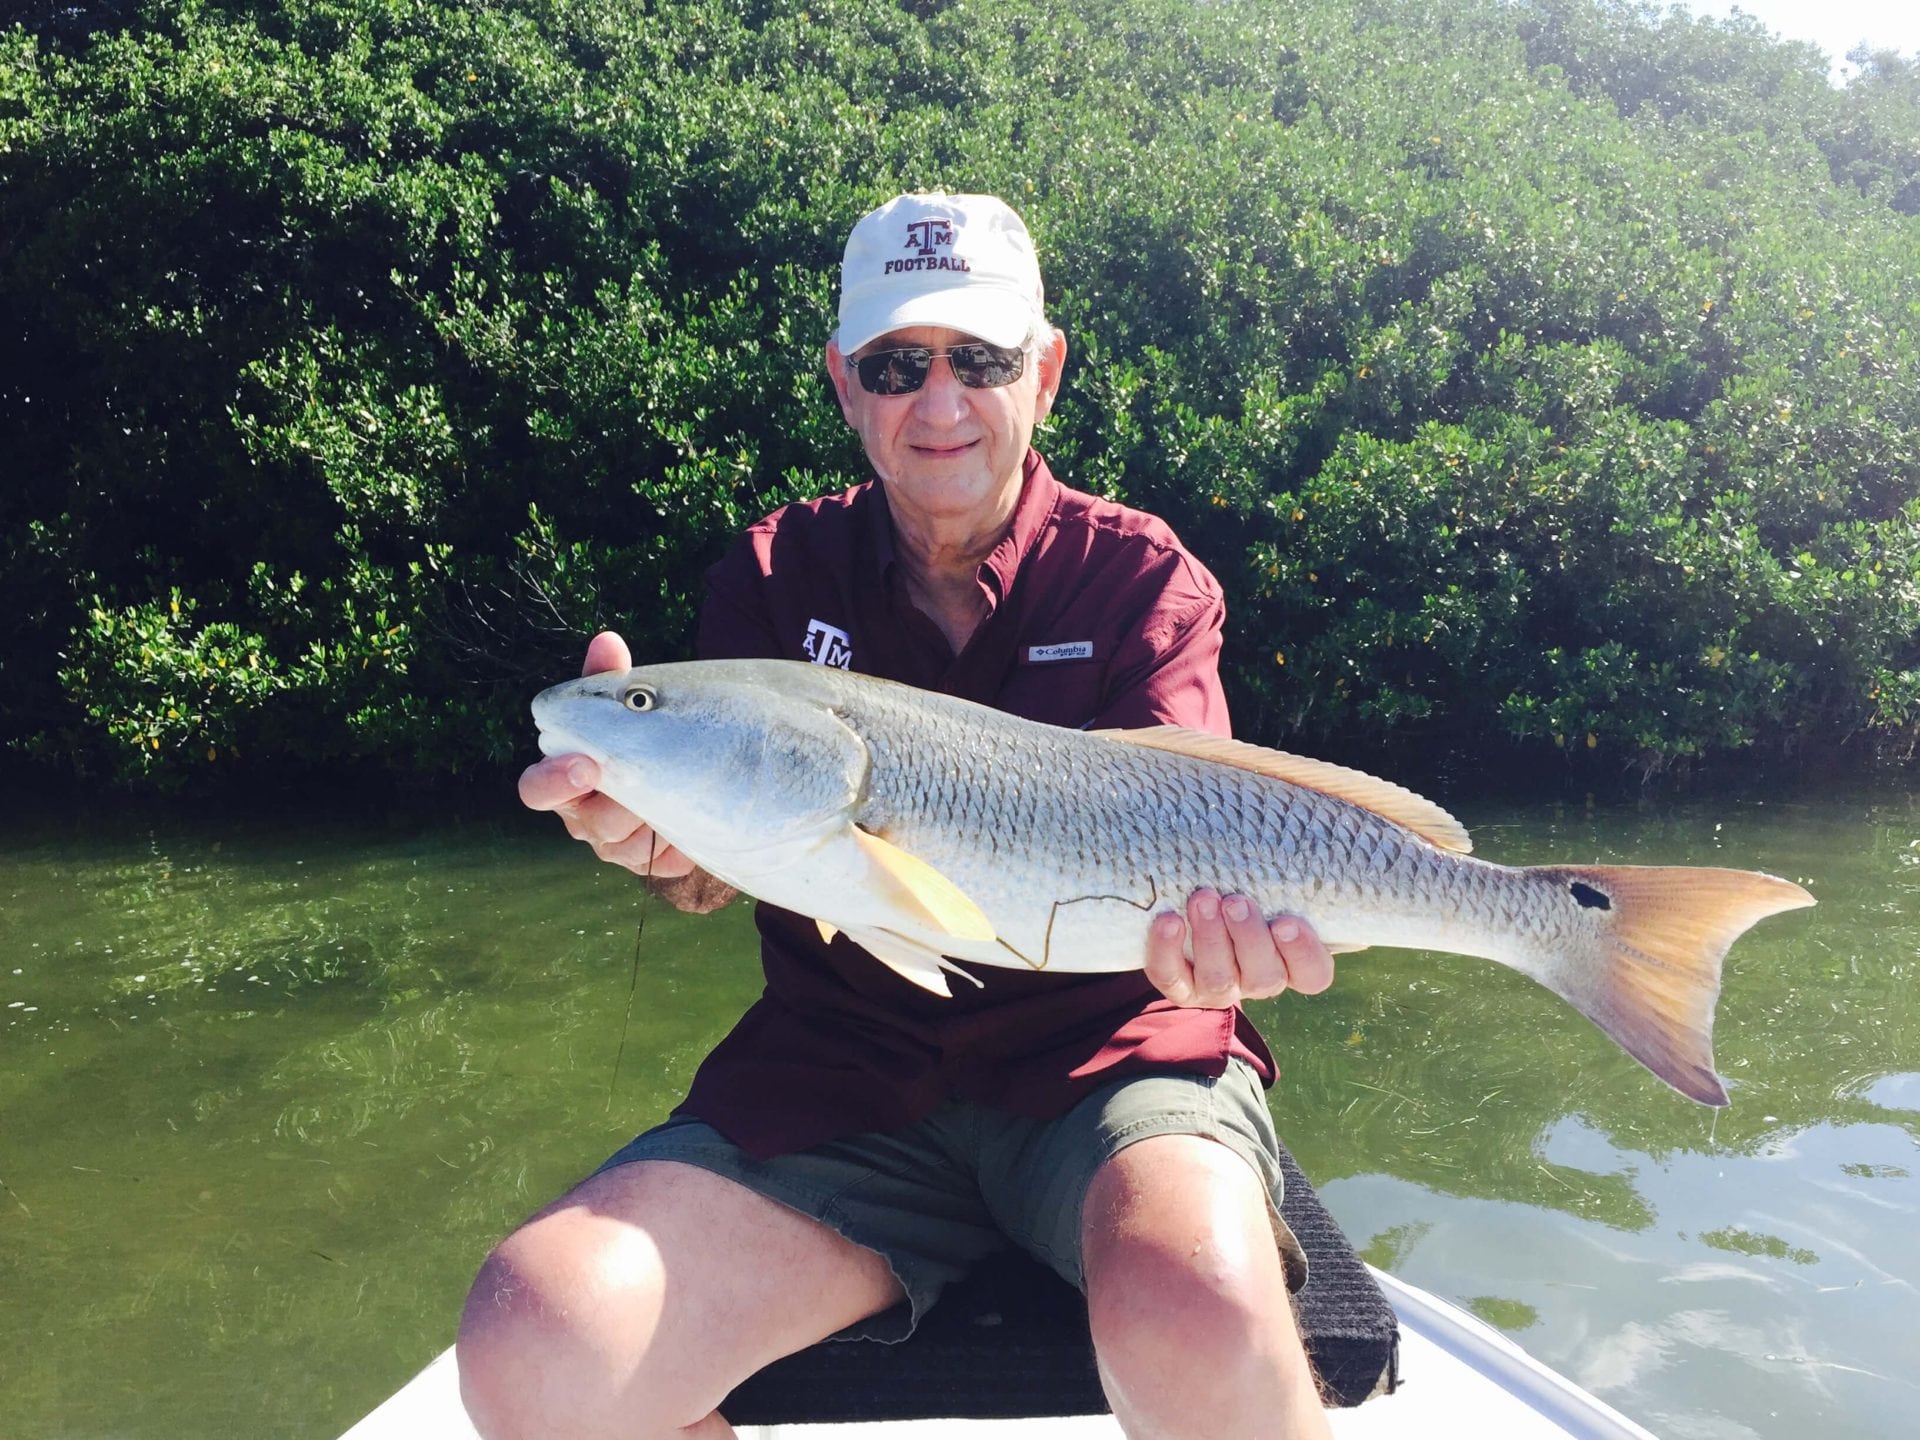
(268, 1090)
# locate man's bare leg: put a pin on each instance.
(634, 1304)
(1191, 1323)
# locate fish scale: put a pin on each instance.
(933, 830)
(1158, 826)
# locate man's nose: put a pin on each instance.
(941, 395)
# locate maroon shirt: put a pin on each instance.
(1096, 618)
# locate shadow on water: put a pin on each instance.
(274, 1081)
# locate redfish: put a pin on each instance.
(937, 833)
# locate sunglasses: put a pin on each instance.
(978, 366)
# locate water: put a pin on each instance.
(269, 1089)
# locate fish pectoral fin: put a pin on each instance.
(1343, 948)
(909, 959)
(1356, 787)
(922, 891)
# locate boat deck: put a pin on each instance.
(1459, 1378)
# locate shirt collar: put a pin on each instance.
(1039, 493)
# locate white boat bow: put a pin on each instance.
(1460, 1379)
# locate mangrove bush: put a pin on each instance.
(1537, 374)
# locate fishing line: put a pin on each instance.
(633, 980)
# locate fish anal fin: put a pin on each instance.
(1356, 787)
(922, 891)
(1653, 975)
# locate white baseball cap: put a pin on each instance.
(964, 262)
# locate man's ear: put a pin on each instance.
(837, 372)
(1051, 356)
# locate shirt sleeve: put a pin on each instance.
(734, 623)
(1166, 670)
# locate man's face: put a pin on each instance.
(945, 450)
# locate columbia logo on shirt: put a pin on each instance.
(1067, 650)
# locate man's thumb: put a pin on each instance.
(607, 651)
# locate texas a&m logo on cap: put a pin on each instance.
(923, 235)
(927, 238)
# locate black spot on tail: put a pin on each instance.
(1589, 897)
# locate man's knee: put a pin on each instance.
(499, 1331)
(556, 1334)
(634, 1305)
(1192, 1345)
(1191, 1308)
(1187, 1298)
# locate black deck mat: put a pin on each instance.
(1011, 1340)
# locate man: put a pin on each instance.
(855, 1144)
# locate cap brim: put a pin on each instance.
(999, 317)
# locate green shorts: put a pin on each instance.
(936, 1197)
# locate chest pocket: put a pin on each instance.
(1060, 689)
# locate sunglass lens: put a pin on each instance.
(903, 371)
(894, 372)
(985, 367)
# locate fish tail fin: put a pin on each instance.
(1651, 973)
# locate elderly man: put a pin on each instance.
(855, 1144)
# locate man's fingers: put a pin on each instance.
(1263, 971)
(1309, 963)
(1237, 955)
(601, 820)
(1167, 965)
(1216, 976)
(607, 651)
(645, 853)
(621, 837)
(557, 780)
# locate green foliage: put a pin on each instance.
(1540, 374)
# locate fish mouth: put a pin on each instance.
(550, 708)
(556, 707)
(559, 742)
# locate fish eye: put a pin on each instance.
(639, 698)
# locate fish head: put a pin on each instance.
(718, 756)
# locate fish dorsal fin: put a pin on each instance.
(923, 891)
(1356, 787)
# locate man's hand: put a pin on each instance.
(1236, 954)
(565, 784)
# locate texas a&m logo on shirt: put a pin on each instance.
(828, 645)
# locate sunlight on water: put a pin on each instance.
(271, 1088)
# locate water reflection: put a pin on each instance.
(1893, 1092)
(1769, 1294)
(270, 1091)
